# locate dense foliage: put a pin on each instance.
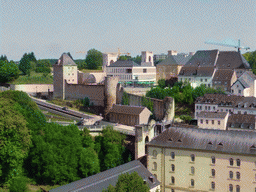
(3, 58)
(125, 99)
(251, 58)
(25, 63)
(129, 183)
(43, 66)
(94, 59)
(9, 71)
(18, 184)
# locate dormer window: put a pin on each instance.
(220, 144)
(179, 140)
(253, 147)
(228, 65)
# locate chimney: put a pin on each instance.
(172, 52)
(152, 179)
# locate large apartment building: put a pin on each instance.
(191, 159)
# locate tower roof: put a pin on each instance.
(65, 60)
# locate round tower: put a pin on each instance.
(110, 92)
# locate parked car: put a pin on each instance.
(64, 108)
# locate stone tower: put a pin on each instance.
(143, 135)
(147, 58)
(108, 58)
(64, 69)
(110, 92)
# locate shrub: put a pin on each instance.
(18, 184)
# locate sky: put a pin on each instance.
(50, 27)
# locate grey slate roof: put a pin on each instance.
(123, 64)
(203, 58)
(101, 181)
(204, 114)
(126, 109)
(169, 61)
(241, 121)
(65, 60)
(223, 75)
(197, 71)
(237, 142)
(181, 60)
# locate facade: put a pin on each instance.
(108, 58)
(223, 79)
(190, 159)
(241, 122)
(101, 181)
(212, 120)
(129, 115)
(209, 62)
(130, 72)
(245, 85)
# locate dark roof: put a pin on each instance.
(101, 181)
(168, 61)
(123, 64)
(65, 60)
(126, 109)
(241, 118)
(204, 114)
(219, 99)
(197, 71)
(181, 59)
(203, 58)
(231, 60)
(205, 71)
(223, 75)
(188, 70)
(238, 142)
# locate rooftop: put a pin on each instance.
(65, 60)
(127, 109)
(120, 63)
(205, 114)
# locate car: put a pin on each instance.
(64, 108)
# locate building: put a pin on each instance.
(245, 85)
(129, 115)
(171, 66)
(225, 103)
(101, 181)
(108, 58)
(201, 68)
(212, 120)
(241, 122)
(130, 72)
(191, 159)
(224, 79)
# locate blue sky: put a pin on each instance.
(51, 27)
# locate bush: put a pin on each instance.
(18, 184)
(186, 118)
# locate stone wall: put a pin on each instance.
(32, 88)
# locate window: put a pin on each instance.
(144, 70)
(192, 170)
(172, 155)
(238, 162)
(196, 107)
(205, 80)
(173, 190)
(231, 162)
(192, 182)
(173, 167)
(232, 91)
(154, 166)
(213, 108)
(237, 188)
(172, 180)
(201, 80)
(200, 107)
(239, 91)
(230, 188)
(72, 73)
(209, 107)
(213, 172)
(206, 121)
(213, 160)
(237, 86)
(213, 122)
(154, 153)
(221, 110)
(213, 185)
(189, 79)
(205, 107)
(231, 174)
(201, 121)
(238, 175)
(192, 157)
(218, 122)
(128, 70)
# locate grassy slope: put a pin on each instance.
(35, 78)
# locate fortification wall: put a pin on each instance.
(78, 91)
(32, 88)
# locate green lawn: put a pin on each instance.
(35, 78)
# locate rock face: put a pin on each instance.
(169, 109)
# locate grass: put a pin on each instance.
(34, 78)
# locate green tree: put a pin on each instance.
(157, 93)
(9, 71)
(125, 99)
(146, 102)
(137, 59)
(81, 64)
(161, 83)
(18, 184)
(94, 59)
(199, 91)
(129, 183)
(43, 66)
(24, 65)
(3, 58)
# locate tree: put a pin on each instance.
(129, 183)
(251, 58)
(124, 58)
(3, 58)
(9, 71)
(94, 59)
(125, 99)
(18, 184)
(157, 93)
(81, 64)
(43, 66)
(146, 102)
(161, 83)
(137, 59)
(24, 65)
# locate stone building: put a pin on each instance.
(224, 79)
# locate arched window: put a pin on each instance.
(231, 162)
(154, 153)
(238, 162)
(230, 188)
(213, 185)
(192, 182)
(149, 59)
(154, 166)
(231, 174)
(192, 157)
(213, 160)
(237, 188)
(238, 175)
(172, 180)
(173, 167)
(193, 170)
(213, 172)
(172, 155)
